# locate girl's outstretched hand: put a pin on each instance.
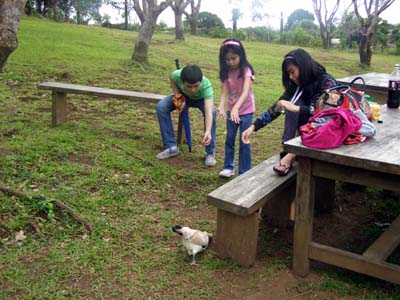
(247, 133)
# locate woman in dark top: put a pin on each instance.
(304, 81)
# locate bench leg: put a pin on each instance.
(237, 237)
(59, 108)
(277, 209)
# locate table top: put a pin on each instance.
(377, 81)
(380, 153)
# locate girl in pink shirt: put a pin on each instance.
(236, 75)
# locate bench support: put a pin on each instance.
(59, 108)
(237, 237)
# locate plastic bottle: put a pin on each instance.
(393, 99)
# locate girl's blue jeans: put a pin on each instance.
(244, 149)
(164, 109)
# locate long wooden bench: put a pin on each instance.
(59, 98)
(239, 201)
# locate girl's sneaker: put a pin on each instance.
(226, 173)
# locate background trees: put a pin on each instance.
(368, 26)
(192, 17)
(325, 20)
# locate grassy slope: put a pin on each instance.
(102, 163)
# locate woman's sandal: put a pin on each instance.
(283, 172)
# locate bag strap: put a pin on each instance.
(356, 79)
(342, 88)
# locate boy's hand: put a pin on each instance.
(206, 139)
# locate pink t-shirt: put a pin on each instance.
(234, 87)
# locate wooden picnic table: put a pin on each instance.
(376, 84)
(375, 162)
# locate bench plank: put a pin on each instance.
(247, 193)
(100, 92)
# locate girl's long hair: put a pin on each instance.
(309, 69)
(235, 46)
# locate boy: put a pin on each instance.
(198, 91)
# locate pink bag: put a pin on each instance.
(334, 132)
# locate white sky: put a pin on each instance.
(223, 10)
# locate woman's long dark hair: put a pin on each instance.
(235, 46)
(309, 69)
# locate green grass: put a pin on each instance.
(102, 164)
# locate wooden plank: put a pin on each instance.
(381, 249)
(100, 92)
(248, 192)
(356, 175)
(354, 262)
(236, 237)
(305, 194)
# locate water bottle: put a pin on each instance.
(393, 99)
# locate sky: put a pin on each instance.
(223, 10)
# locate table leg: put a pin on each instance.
(305, 194)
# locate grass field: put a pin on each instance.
(102, 164)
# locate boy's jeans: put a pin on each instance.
(164, 109)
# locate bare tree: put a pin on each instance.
(373, 8)
(148, 12)
(192, 17)
(10, 14)
(325, 20)
(178, 6)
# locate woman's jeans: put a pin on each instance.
(244, 149)
(164, 109)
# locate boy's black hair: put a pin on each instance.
(191, 74)
(235, 46)
(309, 69)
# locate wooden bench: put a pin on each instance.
(59, 90)
(238, 203)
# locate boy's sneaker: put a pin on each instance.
(226, 173)
(210, 160)
(167, 153)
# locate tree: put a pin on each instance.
(85, 10)
(258, 11)
(236, 15)
(368, 26)
(178, 7)
(10, 14)
(348, 29)
(148, 13)
(192, 17)
(208, 21)
(297, 16)
(325, 20)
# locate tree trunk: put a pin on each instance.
(143, 40)
(365, 50)
(126, 14)
(193, 26)
(179, 27)
(10, 14)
